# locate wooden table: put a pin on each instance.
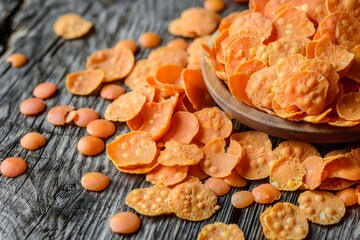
(48, 202)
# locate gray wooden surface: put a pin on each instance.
(48, 202)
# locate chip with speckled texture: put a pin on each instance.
(221, 231)
(193, 201)
(167, 175)
(151, 201)
(284, 221)
(321, 207)
(298, 150)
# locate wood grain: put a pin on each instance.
(48, 201)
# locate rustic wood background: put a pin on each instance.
(48, 202)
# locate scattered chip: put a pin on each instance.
(71, 26)
(321, 207)
(298, 150)
(221, 231)
(193, 201)
(284, 221)
(153, 201)
(84, 82)
(181, 154)
(167, 175)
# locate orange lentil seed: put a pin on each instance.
(17, 60)
(348, 196)
(111, 91)
(124, 223)
(13, 167)
(242, 199)
(218, 186)
(266, 193)
(85, 116)
(45, 90)
(95, 181)
(149, 40)
(90, 145)
(178, 43)
(101, 128)
(32, 106)
(214, 5)
(33, 141)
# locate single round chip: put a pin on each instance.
(116, 63)
(153, 201)
(137, 77)
(132, 149)
(221, 231)
(125, 107)
(284, 221)
(298, 150)
(71, 26)
(213, 124)
(84, 82)
(165, 55)
(314, 166)
(192, 201)
(181, 154)
(287, 174)
(257, 154)
(348, 106)
(321, 207)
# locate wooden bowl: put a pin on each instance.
(272, 125)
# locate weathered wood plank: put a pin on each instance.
(48, 201)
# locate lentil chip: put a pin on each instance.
(167, 175)
(84, 82)
(177, 153)
(298, 150)
(287, 174)
(71, 26)
(153, 201)
(132, 149)
(193, 201)
(335, 184)
(221, 231)
(321, 207)
(125, 107)
(284, 221)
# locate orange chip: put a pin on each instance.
(259, 87)
(180, 124)
(292, 22)
(257, 5)
(227, 21)
(193, 201)
(284, 221)
(237, 84)
(287, 174)
(220, 231)
(84, 82)
(153, 201)
(194, 22)
(283, 48)
(328, 71)
(251, 21)
(157, 118)
(321, 207)
(216, 162)
(354, 72)
(307, 90)
(348, 106)
(335, 184)
(167, 175)
(310, 49)
(336, 54)
(314, 166)
(341, 28)
(257, 154)
(117, 63)
(139, 170)
(351, 7)
(169, 75)
(298, 150)
(138, 75)
(71, 26)
(345, 166)
(196, 90)
(165, 55)
(125, 107)
(314, 9)
(213, 124)
(181, 154)
(132, 149)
